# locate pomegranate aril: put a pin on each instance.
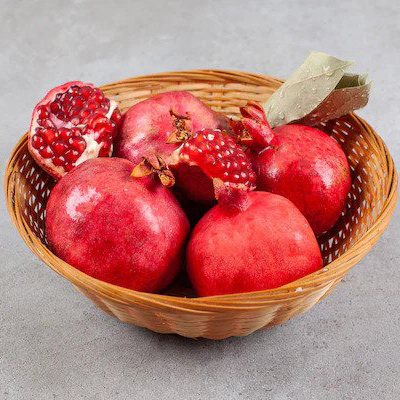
(73, 90)
(85, 92)
(37, 141)
(85, 113)
(49, 135)
(59, 148)
(106, 104)
(78, 144)
(77, 103)
(76, 132)
(92, 105)
(105, 149)
(64, 134)
(46, 152)
(68, 167)
(61, 116)
(116, 117)
(75, 120)
(71, 156)
(58, 161)
(98, 96)
(46, 123)
(55, 107)
(43, 112)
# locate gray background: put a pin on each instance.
(54, 344)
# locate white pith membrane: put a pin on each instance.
(92, 148)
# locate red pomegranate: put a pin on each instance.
(248, 242)
(156, 127)
(123, 230)
(300, 163)
(74, 122)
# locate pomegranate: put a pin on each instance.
(248, 242)
(74, 122)
(214, 154)
(158, 126)
(300, 163)
(125, 231)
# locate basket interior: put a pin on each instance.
(369, 171)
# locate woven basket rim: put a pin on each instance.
(323, 277)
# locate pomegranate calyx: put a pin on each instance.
(183, 131)
(154, 165)
(233, 198)
(253, 129)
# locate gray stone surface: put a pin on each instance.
(54, 344)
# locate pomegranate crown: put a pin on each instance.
(253, 129)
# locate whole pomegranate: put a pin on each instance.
(300, 163)
(248, 242)
(123, 230)
(158, 126)
(74, 122)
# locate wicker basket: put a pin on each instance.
(369, 208)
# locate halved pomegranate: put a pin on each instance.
(74, 122)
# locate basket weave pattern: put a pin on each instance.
(370, 204)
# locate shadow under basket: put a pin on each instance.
(370, 205)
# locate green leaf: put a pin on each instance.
(307, 88)
(340, 102)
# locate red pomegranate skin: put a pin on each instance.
(267, 244)
(309, 168)
(147, 126)
(122, 230)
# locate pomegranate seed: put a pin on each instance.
(71, 156)
(61, 116)
(46, 123)
(85, 113)
(77, 103)
(98, 96)
(66, 107)
(76, 132)
(42, 112)
(75, 120)
(86, 91)
(49, 135)
(92, 105)
(59, 148)
(116, 117)
(78, 144)
(74, 90)
(64, 134)
(68, 167)
(37, 141)
(46, 152)
(106, 104)
(55, 107)
(59, 161)
(105, 149)
(75, 111)
(68, 98)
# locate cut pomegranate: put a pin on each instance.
(219, 157)
(74, 122)
(211, 152)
